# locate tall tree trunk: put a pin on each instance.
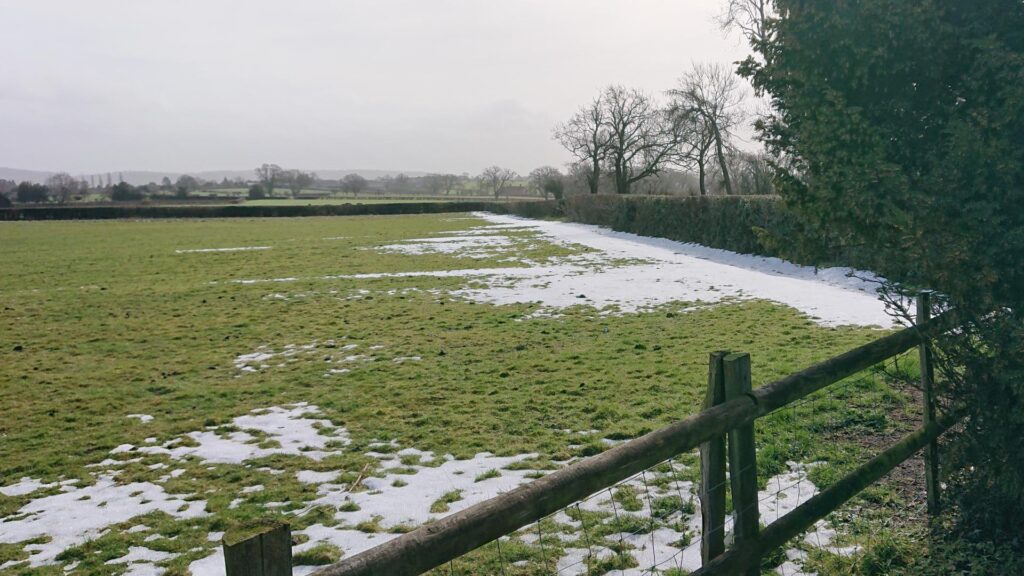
(701, 177)
(595, 176)
(720, 153)
(621, 180)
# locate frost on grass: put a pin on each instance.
(78, 515)
(286, 430)
(624, 273)
(340, 356)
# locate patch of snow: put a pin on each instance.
(402, 359)
(81, 514)
(144, 418)
(462, 246)
(291, 426)
(212, 565)
(141, 554)
(311, 477)
(408, 505)
(236, 249)
(24, 486)
(122, 449)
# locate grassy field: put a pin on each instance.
(102, 320)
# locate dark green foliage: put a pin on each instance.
(5, 202)
(256, 192)
(125, 192)
(746, 224)
(529, 209)
(902, 123)
(29, 192)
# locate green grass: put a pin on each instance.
(103, 319)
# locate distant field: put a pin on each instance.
(133, 354)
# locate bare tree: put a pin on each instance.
(353, 184)
(710, 96)
(185, 185)
(435, 183)
(62, 187)
(750, 17)
(586, 136)
(296, 180)
(752, 173)
(548, 181)
(696, 142)
(496, 179)
(448, 182)
(642, 138)
(268, 175)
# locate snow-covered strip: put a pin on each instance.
(292, 429)
(234, 249)
(691, 272)
(144, 418)
(78, 515)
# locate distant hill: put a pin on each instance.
(137, 177)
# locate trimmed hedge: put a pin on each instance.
(758, 225)
(544, 209)
(730, 223)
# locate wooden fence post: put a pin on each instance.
(712, 471)
(265, 552)
(931, 452)
(742, 456)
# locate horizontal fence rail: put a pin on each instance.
(435, 544)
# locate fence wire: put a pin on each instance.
(650, 523)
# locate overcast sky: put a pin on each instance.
(426, 85)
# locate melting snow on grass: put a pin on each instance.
(672, 541)
(342, 356)
(284, 430)
(626, 273)
(236, 249)
(463, 245)
(80, 514)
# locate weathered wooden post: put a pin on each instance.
(712, 471)
(742, 456)
(931, 452)
(265, 550)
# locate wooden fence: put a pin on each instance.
(730, 411)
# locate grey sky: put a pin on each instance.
(431, 85)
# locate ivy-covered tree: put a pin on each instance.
(898, 126)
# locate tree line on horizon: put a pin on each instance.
(625, 136)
